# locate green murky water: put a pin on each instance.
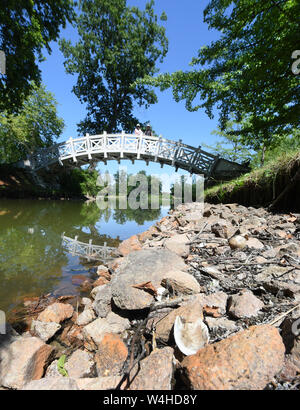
(34, 259)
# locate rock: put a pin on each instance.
(244, 304)
(220, 229)
(86, 286)
(215, 324)
(190, 336)
(287, 289)
(111, 355)
(254, 243)
(102, 270)
(99, 383)
(156, 371)
(23, 360)
(247, 360)
(237, 242)
(86, 317)
(57, 312)
(100, 281)
(52, 370)
(44, 330)
(178, 244)
(80, 364)
(78, 279)
(52, 383)
(140, 267)
(94, 332)
(102, 302)
(214, 300)
(190, 312)
(181, 283)
(129, 245)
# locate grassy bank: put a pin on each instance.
(263, 186)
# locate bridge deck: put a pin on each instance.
(104, 147)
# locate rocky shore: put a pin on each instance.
(202, 300)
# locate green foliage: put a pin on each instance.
(117, 45)
(231, 146)
(35, 126)
(26, 27)
(61, 366)
(80, 182)
(247, 71)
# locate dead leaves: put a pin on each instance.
(147, 287)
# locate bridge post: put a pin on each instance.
(73, 153)
(158, 147)
(105, 143)
(178, 146)
(122, 144)
(139, 148)
(88, 145)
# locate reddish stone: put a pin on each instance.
(100, 281)
(57, 312)
(129, 245)
(111, 355)
(247, 360)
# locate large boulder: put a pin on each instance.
(247, 360)
(23, 360)
(140, 267)
(155, 372)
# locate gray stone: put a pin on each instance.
(140, 267)
(155, 371)
(93, 332)
(80, 364)
(178, 244)
(181, 283)
(102, 302)
(220, 322)
(86, 317)
(244, 304)
(44, 330)
(52, 383)
(99, 383)
(22, 360)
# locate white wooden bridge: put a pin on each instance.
(105, 147)
(87, 250)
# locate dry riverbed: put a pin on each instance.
(199, 301)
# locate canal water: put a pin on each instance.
(34, 257)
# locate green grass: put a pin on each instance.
(257, 178)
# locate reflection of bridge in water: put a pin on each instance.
(88, 250)
(80, 151)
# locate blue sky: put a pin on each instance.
(187, 33)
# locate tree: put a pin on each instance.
(247, 72)
(26, 27)
(35, 126)
(117, 45)
(231, 146)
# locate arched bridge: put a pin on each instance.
(80, 151)
(87, 250)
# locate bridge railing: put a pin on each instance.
(143, 146)
(87, 250)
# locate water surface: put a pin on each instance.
(33, 257)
